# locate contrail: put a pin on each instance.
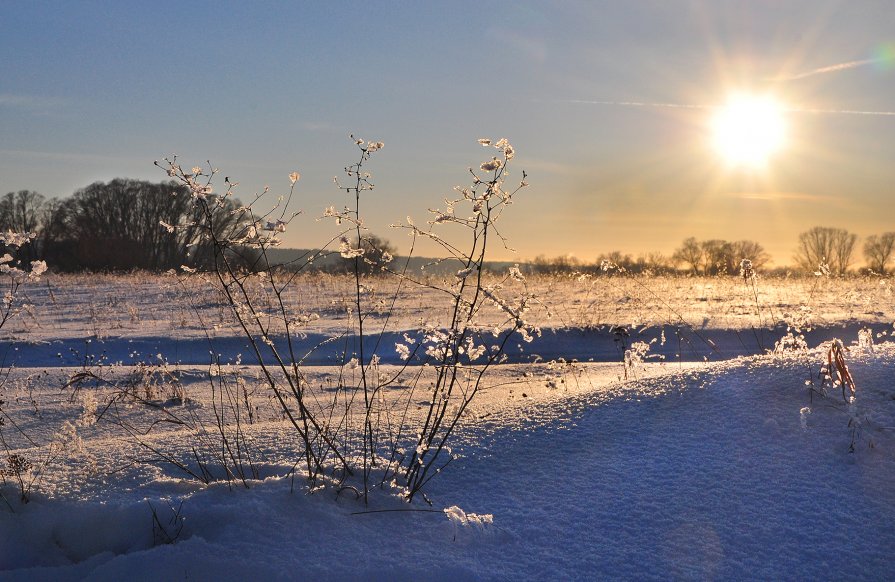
(841, 112)
(824, 70)
(698, 106)
(639, 104)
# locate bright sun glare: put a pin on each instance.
(748, 130)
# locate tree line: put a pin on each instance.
(119, 225)
(819, 250)
(129, 224)
(707, 257)
(115, 225)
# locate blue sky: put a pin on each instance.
(95, 90)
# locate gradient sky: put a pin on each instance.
(95, 90)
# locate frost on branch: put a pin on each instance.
(8, 264)
(347, 251)
(16, 239)
(220, 220)
(16, 273)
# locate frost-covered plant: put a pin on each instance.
(238, 237)
(220, 450)
(463, 351)
(462, 519)
(791, 343)
(749, 276)
(363, 427)
(637, 354)
(156, 380)
(27, 472)
(836, 375)
(865, 339)
(354, 251)
(18, 469)
(167, 531)
(15, 274)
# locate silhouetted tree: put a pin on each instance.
(21, 212)
(716, 256)
(747, 249)
(561, 264)
(878, 251)
(832, 246)
(654, 261)
(690, 254)
(55, 242)
(719, 257)
(116, 225)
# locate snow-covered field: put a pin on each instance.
(705, 456)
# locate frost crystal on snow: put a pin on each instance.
(403, 351)
(865, 339)
(458, 517)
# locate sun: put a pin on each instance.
(748, 130)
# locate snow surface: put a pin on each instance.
(694, 467)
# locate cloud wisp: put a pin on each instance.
(698, 106)
(825, 70)
(29, 102)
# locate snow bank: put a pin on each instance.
(698, 474)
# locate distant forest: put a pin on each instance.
(121, 225)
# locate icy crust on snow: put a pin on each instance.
(700, 473)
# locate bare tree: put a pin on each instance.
(655, 261)
(116, 225)
(878, 251)
(747, 249)
(716, 256)
(825, 245)
(719, 257)
(843, 250)
(21, 212)
(690, 253)
(53, 240)
(560, 264)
